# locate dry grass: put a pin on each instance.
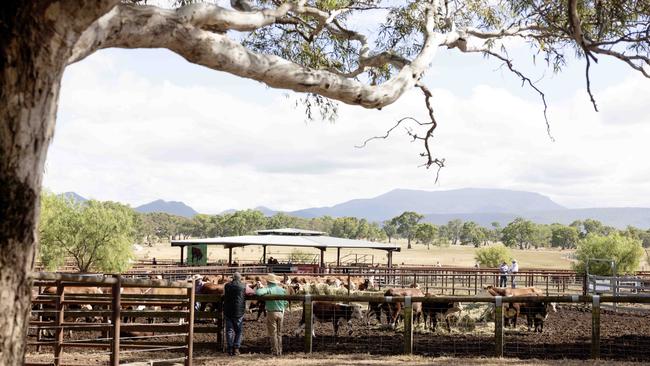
(212, 358)
(366, 359)
(455, 255)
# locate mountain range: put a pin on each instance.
(482, 206)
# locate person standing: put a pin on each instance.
(514, 268)
(234, 306)
(275, 312)
(503, 271)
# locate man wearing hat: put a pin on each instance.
(275, 312)
(514, 268)
(234, 306)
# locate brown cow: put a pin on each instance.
(332, 312)
(431, 311)
(512, 310)
(396, 307)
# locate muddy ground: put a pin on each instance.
(566, 335)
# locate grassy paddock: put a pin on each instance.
(454, 255)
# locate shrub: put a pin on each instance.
(625, 252)
(492, 256)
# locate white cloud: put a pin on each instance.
(134, 138)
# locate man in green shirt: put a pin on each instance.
(275, 312)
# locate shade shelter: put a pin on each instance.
(289, 237)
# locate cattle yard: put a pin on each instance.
(153, 318)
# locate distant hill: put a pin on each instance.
(466, 201)
(170, 207)
(74, 197)
(618, 217)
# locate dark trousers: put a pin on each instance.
(234, 327)
(503, 280)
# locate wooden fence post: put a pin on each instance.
(60, 316)
(547, 275)
(191, 292)
(408, 325)
(40, 319)
(307, 310)
(116, 306)
(595, 327)
(349, 283)
(498, 326)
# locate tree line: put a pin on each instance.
(100, 235)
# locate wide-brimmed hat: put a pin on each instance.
(271, 278)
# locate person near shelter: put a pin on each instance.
(503, 271)
(275, 312)
(514, 268)
(234, 307)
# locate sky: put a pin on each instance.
(138, 125)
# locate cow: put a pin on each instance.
(332, 312)
(376, 309)
(396, 307)
(72, 290)
(512, 310)
(536, 313)
(432, 310)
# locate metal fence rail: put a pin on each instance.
(583, 327)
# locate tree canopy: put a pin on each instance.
(97, 236)
(624, 251)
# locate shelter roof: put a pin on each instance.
(309, 241)
(290, 231)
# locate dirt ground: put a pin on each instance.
(567, 335)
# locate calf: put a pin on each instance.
(376, 309)
(330, 312)
(432, 310)
(396, 307)
(536, 314)
(512, 310)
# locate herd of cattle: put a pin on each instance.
(427, 313)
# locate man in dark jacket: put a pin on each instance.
(234, 306)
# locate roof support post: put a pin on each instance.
(263, 254)
(322, 259)
(390, 258)
(182, 250)
(230, 256)
(338, 256)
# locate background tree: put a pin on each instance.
(406, 224)
(306, 46)
(519, 232)
(426, 233)
(471, 233)
(95, 235)
(453, 230)
(625, 252)
(495, 233)
(492, 256)
(564, 237)
(390, 228)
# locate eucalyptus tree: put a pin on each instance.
(307, 46)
